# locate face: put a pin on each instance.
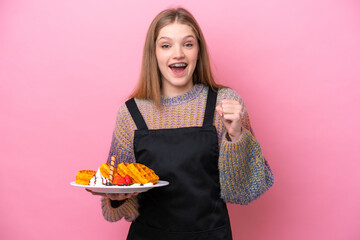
(176, 53)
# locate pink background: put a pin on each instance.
(66, 66)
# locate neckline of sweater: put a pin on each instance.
(184, 98)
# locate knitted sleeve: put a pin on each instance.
(128, 210)
(122, 139)
(121, 148)
(244, 173)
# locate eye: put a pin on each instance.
(189, 44)
(165, 46)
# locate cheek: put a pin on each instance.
(157, 55)
(161, 58)
(161, 63)
(194, 56)
(194, 60)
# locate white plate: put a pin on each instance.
(121, 189)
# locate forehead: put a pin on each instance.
(176, 31)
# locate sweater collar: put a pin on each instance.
(184, 98)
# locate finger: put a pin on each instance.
(232, 109)
(229, 101)
(219, 110)
(135, 194)
(116, 196)
(119, 196)
(230, 117)
(95, 193)
(232, 105)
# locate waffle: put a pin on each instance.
(105, 170)
(138, 173)
(83, 176)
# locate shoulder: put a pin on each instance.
(123, 111)
(123, 119)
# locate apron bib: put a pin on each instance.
(190, 207)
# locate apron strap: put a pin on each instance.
(210, 107)
(135, 114)
(208, 117)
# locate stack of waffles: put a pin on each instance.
(138, 173)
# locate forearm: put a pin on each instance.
(244, 173)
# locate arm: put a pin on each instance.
(244, 173)
(127, 209)
(116, 206)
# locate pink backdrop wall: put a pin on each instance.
(66, 67)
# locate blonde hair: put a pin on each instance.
(149, 85)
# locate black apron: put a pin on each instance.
(190, 207)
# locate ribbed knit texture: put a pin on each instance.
(244, 173)
(128, 210)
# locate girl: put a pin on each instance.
(192, 132)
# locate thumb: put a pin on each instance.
(219, 110)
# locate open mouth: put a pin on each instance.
(178, 68)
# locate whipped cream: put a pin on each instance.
(98, 179)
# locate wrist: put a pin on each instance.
(234, 138)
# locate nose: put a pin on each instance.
(178, 52)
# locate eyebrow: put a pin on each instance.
(187, 36)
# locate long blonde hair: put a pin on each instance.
(149, 85)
